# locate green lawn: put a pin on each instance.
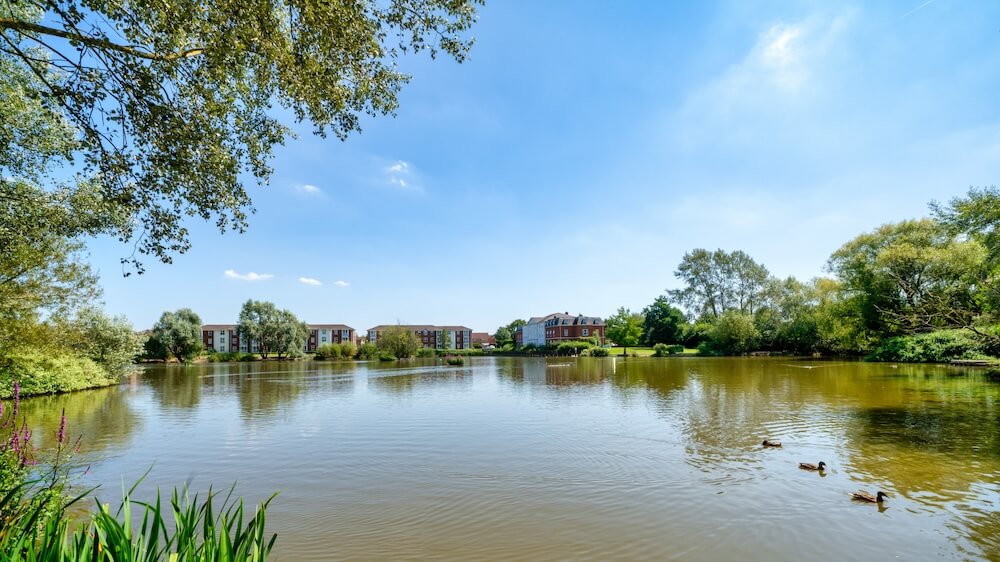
(642, 351)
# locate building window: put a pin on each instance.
(585, 332)
(323, 338)
(565, 332)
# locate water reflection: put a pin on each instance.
(101, 418)
(576, 458)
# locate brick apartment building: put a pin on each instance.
(225, 338)
(430, 336)
(557, 327)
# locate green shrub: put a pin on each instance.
(663, 350)
(328, 351)
(368, 351)
(348, 350)
(385, 356)
(572, 347)
(425, 352)
(934, 347)
(244, 357)
(448, 352)
(46, 372)
(455, 361)
(223, 357)
(599, 352)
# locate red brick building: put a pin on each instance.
(460, 337)
(557, 327)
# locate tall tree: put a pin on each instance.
(179, 333)
(258, 323)
(289, 335)
(913, 276)
(662, 323)
(624, 328)
(166, 106)
(720, 281)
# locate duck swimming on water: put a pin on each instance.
(811, 466)
(771, 443)
(866, 497)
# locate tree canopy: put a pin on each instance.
(179, 333)
(662, 322)
(720, 281)
(162, 108)
(624, 328)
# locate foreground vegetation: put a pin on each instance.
(39, 518)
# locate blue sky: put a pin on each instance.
(583, 148)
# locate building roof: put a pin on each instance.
(567, 319)
(311, 327)
(381, 327)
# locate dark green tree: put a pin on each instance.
(662, 323)
(179, 333)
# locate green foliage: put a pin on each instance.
(345, 350)
(179, 333)
(110, 342)
(717, 282)
(734, 333)
(572, 347)
(454, 360)
(425, 352)
(128, 91)
(664, 350)
(38, 521)
(49, 371)
(624, 328)
(368, 351)
(348, 350)
(934, 347)
(662, 323)
(386, 356)
(398, 342)
(599, 352)
(910, 277)
(464, 352)
(274, 331)
(505, 334)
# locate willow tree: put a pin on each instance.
(165, 106)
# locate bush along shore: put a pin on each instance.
(36, 524)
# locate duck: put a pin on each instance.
(771, 443)
(811, 466)
(866, 497)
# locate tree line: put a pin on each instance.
(917, 290)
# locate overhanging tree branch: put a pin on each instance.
(97, 42)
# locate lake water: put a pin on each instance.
(567, 459)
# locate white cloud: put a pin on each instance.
(250, 276)
(402, 176)
(308, 189)
(777, 88)
(310, 281)
(341, 283)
